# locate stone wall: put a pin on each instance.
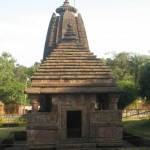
(73, 102)
(42, 128)
(100, 126)
(106, 127)
(47, 128)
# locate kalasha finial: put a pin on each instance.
(66, 7)
(66, 2)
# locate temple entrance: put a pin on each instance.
(74, 124)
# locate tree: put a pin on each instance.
(13, 79)
(135, 65)
(120, 66)
(20, 73)
(7, 64)
(127, 68)
(144, 81)
(30, 71)
(129, 95)
(14, 92)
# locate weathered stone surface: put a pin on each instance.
(73, 90)
(76, 93)
(41, 136)
(72, 67)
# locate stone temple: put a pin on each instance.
(73, 94)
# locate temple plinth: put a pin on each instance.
(73, 94)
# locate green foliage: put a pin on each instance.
(135, 65)
(120, 66)
(129, 95)
(144, 81)
(13, 79)
(7, 64)
(127, 68)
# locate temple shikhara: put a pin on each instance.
(73, 94)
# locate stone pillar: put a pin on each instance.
(113, 101)
(93, 102)
(34, 100)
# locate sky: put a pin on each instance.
(112, 26)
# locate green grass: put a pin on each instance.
(137, 127)
(5, 132)
(21, 122)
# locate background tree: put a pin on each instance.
(120, 66)
(7, 65)
(144, 81)
(127, 68)
(136, 63)
(13, 79)
(129, 95)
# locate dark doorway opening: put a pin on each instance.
(74, 124)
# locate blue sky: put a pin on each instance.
(112, 26)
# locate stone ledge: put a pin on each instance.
(72, 61)
(68, 146)
(74, 70)
(41, 146)
(74, 64)
(72, 58)
(107, 124)
(34, 90)
(109, 144)
(72, 77)
(42, 127)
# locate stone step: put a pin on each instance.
(69, 46)
(70, 50)
(71, 53)
(72, 61)
(71, 73)
(73, 70)
(73, 67)
(76, 146)
(72, 58)
(73, 64)
(72, 77)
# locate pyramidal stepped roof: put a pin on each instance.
(68, 65)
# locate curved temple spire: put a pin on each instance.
(59, 31)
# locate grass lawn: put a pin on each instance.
(139, 127)
(5, 132)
